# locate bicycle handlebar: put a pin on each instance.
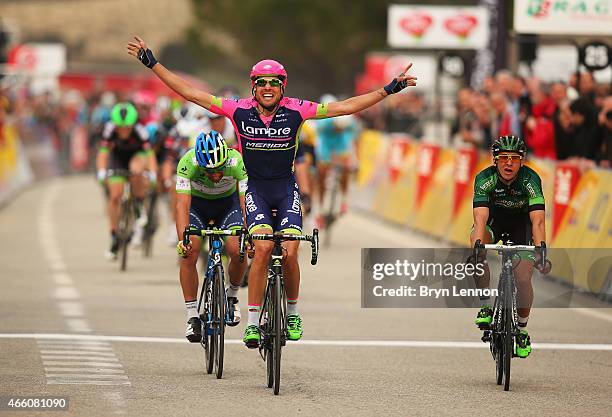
(541, 250)
(283, 237)
(503, 248)
(217, 232)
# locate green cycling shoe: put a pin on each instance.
(484, 317)
(252, 336)
(522, 348)
(294, 327)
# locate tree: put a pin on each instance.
(321, 43)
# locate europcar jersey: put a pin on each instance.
(523, 195)
(192, 180)
(268, 144)
(137, 141)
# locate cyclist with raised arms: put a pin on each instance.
(267, 126)
(508, 199)
(210, 186)
(124, 147)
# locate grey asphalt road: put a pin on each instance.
(72, 325)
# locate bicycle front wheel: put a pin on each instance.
(208, 341)
(498, 345)
(151, 226)
(508, 347)
(267, 331)
(124, 231)
(277, 332)
(219, 320)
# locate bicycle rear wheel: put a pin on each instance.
(219, 320)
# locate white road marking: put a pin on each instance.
(71, 309)
(58, 266)
(88, 370)
(79, 358)
(307, 342)
(86, 376)
(76, 352)
(62, 278)
(82, 382)
(82, 348)
(66, 293)
(78, 325)
(69, 363)
(73, 342)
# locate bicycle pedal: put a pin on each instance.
(486, 336)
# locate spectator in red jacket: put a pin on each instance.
(539, 129)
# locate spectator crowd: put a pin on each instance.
(560, 120)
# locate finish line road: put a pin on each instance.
(72, 325)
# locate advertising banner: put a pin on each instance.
(440, 27)
(563, 17)
(433, 214)
(395, 157)
(465, 166)
(427, 158)
(400, 206)
(566, 179)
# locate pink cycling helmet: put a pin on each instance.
(268, 67)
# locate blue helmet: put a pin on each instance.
(210, 150)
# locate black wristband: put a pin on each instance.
(146, 57)
(395, 86)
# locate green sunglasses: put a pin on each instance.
(262, 82)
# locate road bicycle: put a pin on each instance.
(212, 303)
(502, 331)
(272, 319)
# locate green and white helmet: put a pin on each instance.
(509, 144)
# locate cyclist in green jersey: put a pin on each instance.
(210, 185)
(508, 199)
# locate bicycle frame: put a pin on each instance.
(214, 259)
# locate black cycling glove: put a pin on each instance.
(146, 57)
(395, 86)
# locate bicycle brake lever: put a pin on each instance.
(543, 254)
(241, 244)
(186, 237)
(314, 245)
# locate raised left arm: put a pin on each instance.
(358, 103)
